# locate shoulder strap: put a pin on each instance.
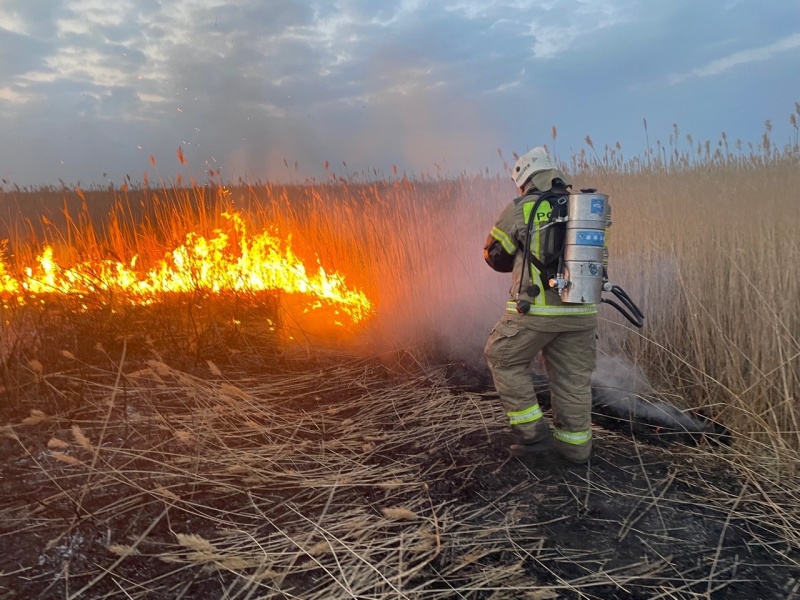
(528, 256)
(546, 262)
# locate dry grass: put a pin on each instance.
(710, 253)
(703, 239)
(344, 481)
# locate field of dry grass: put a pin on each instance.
(198, 418)
(703, 239)
(327, 476)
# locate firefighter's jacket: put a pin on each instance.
(504, 252)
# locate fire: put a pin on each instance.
(230, 260)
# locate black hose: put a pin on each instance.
(633, 313)
(626, 299)
(634, 320)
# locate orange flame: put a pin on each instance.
(223, 262)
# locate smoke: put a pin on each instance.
(448, 300)
(465, 306)
(439, 294)
(617, 373)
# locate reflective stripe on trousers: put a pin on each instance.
(529, 415)
(576, 438)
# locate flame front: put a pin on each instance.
(224, 262)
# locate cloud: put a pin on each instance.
(556, 29)
(12, 96)
(508, 85)
(12, 21)
(251, 83)
(727, 63)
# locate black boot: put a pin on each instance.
(531, 439)
(532, 448)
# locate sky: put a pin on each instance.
(90, 90)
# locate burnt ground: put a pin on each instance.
(328, 476)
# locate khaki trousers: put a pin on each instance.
(569, 359)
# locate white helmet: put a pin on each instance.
(529, 163)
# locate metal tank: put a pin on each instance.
(582, 279)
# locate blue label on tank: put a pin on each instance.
(589, 237)
(598, 205)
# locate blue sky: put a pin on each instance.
(94, 87)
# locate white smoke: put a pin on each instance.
(616, 372)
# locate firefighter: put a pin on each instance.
(537, 320)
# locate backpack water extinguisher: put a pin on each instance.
(580, 276)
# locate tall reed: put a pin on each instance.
(704, 238)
